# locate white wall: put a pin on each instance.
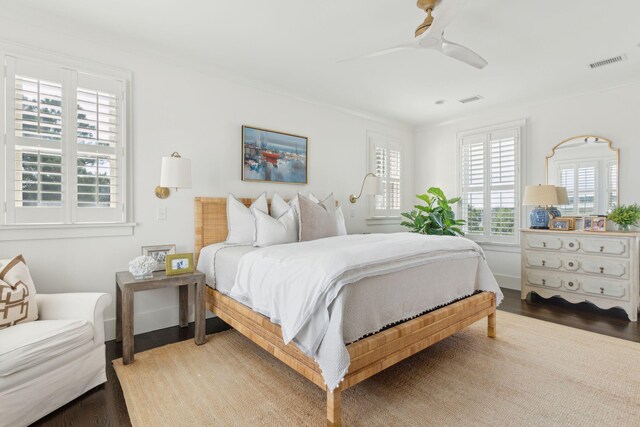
(178, 108)
(612, 113)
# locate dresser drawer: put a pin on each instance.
(605, 267)
(540, 278)
(542, 259)
(606, 288)
(609, 246)
(544, 242)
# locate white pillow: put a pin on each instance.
(241, 221)
(17, 293)
(340, 224)
(271, 231)
(342, 227)
(279, 207)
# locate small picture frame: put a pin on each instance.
(562, 224)
(586, 223)
(599, 223)
(179, 264)
(159, 253)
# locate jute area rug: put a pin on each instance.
(534, 374)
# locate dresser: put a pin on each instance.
(601, 268)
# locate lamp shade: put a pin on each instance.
(175, 172)
(372, 185)
(563, 197)
(540, 195)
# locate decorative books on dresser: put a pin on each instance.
(601, 268)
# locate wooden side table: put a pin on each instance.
(126, 285)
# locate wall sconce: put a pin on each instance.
(371, 185)
(174, 173)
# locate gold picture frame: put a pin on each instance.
(179, 264)
(599, 224)
(562, 224)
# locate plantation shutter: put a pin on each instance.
(35, 150)
(473, 168)
(580, 179)
(586, 183)
(502, 172)
(612, 185)
(489, 185)
(386, 163)
(65, 152)
(97, 150)
(566, 178)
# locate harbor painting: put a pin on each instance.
(273, 156)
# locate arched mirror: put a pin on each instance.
(587, 166)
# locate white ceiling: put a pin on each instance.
(536, 49)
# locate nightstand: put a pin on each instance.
(126, 286)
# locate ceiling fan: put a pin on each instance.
(430, 34)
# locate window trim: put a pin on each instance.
(372, 218)
(91, 229)
(520, 214)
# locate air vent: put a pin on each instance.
(471, 99)
(608, 61)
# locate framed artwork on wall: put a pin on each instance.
(273, 156)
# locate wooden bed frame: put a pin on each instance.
(369, 355)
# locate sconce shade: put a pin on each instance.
(563, 197)
(540, 195)
(372, 186)
(175, 172)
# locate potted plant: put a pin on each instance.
(436, 217)
(625, 216)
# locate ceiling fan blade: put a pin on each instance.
(443, 14)
(463, 54)
(382, 52)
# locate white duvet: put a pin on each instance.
(295, 284)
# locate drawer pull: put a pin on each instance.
(544, 263)
(601, 248)
(601, 270)
(601, 290)
(544, 281)
(544, 244)
(571, 244)
(570, 264)
(570, 284)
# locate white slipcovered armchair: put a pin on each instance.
(46, 363)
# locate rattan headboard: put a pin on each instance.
(211, 220)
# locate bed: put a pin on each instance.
(368, 354)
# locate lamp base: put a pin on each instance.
(539, 218)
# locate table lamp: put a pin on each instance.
(563, 199)
(540, 196)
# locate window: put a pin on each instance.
(489, 165)
(65, 139)
(586, 179)
(385, 157)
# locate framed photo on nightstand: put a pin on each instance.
(179, 264)
(159, 253)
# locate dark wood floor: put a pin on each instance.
(105, 406)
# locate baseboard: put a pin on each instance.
(151, 320)
(509, 282)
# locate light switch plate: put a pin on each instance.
(161, 214)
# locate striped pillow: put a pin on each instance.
(17, 293)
